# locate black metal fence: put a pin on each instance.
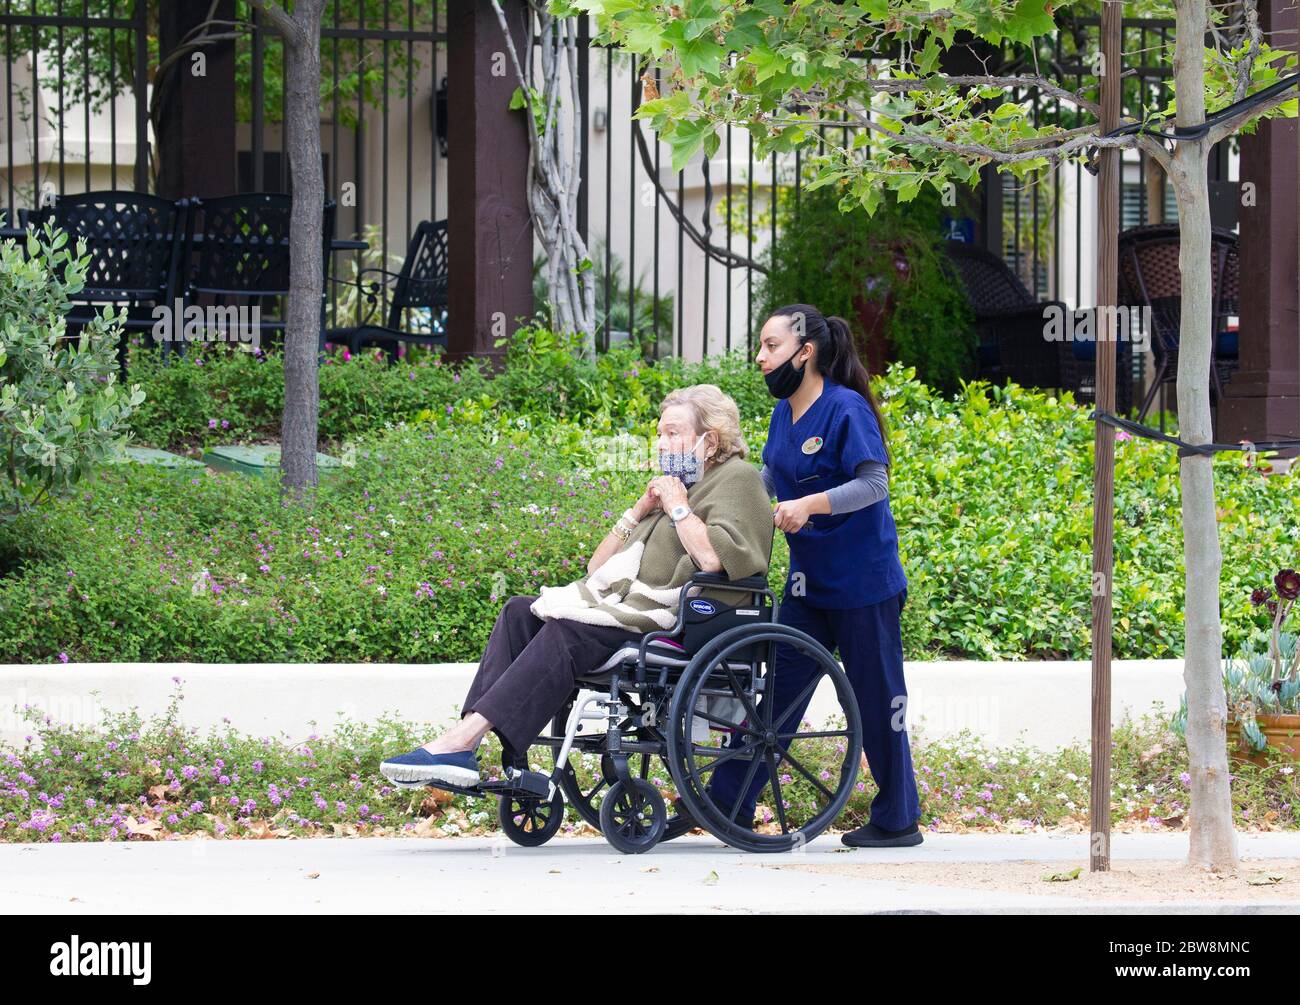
(64, 65)
(77, 116)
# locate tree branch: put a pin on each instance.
(916, 138)
(1230, 125)
(1153, 148)
(1046, 86)
(281, 20)
(1250, 13)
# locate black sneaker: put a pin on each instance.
(871, 836)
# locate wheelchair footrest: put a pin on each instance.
(522, 783)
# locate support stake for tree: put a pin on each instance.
(1103, 479)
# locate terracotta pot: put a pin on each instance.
(875, 345)
(1281, 731)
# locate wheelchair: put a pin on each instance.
(692, 697)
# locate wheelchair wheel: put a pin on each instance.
(633, 817)
(586, 800)
(807, 772)
(530, 822)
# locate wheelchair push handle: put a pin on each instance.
(745, 585)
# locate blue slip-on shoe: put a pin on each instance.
(420, 768)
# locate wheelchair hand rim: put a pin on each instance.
(682, 754)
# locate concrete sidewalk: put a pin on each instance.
(694, 874)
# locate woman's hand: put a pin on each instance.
(791, 515)
(670, 491)
(647, 504)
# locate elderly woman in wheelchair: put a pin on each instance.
(670, 642)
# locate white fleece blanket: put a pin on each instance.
(601, 604)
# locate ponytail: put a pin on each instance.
(846, 367)
(837, 356)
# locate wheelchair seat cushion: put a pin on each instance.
(659, 653)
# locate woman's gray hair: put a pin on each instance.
(712, 409)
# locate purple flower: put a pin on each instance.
(1288, 584)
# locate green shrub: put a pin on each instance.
(61, 409)
(213, 395)
(409, 553)
(835, 260)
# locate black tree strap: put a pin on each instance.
(1186, 449)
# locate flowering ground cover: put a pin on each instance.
(157, 780)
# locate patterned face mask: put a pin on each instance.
(685, 464)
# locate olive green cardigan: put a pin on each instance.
(637, 587)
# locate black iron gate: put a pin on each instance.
(67, 63)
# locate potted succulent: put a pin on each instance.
(1263, 688)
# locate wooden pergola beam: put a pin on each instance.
(196, 135)
(1262, 398)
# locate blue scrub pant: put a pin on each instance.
(871, 649)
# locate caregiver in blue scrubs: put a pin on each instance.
(827, 464)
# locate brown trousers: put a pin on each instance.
(530, 668)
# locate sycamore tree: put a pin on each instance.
(781, 69)
(300, 29)
(547, 77)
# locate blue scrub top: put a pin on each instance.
(847, 559)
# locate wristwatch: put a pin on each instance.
(679, 513)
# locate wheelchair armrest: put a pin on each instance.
(715, 580)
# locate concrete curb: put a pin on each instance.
(1043, 704)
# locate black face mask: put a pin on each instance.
(785, 379)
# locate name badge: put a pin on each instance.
(812, 445)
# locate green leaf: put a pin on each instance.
(685, 139)
(1029, 21)
(929, 58)
(700, 56)
(767, 63)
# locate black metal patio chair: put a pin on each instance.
(1149, 277)
(133, 240)
(1013, 343)
(420, 285)
(236, 254)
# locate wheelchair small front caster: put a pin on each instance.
(633, 818)
(531, 822)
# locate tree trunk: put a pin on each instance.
(553, 170)
(1213, 840)
(303, 313)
